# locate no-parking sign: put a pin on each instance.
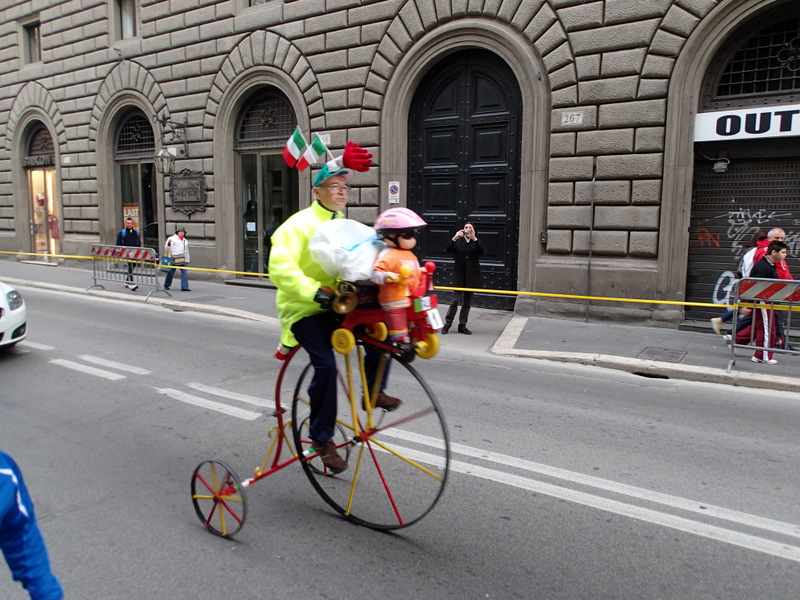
(394, 192)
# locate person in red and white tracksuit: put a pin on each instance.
(764, 319)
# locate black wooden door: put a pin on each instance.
(464, 148)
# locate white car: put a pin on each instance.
(13, 316)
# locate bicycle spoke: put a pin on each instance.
(400, 469)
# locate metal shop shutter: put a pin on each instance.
(727, 210)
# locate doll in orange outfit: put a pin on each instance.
(397, 269)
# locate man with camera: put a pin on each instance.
(467, 249)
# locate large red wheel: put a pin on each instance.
(397, 468)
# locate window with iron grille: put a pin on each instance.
(41, 143)
(135, 137)
(763, 70)
(267, 123)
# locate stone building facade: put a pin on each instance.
(565, 130)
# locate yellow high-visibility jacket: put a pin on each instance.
(293, 270)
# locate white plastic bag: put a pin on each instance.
(345, 249)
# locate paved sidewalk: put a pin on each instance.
(648, 351)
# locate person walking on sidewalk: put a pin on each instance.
(764, 319)
(129, 237)
(745, 265)
(20, 537)
(177, 247)
(467, 249)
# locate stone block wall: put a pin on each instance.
(608, 64)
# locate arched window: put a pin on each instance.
(133, 154)
(41, 144)
(268, 188)
(39, 162)
(765, 69)
(267, 122)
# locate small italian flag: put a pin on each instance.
(295, 146)
(313, 153)
(334, 165)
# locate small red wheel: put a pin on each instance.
(218, 498)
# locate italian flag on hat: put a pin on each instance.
(295, 146)
(313, 153)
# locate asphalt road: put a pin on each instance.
(566, 482)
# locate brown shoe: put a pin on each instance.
(387, 402)
(384, 401)
(330, 457)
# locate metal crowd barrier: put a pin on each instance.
(110, 263)
(779, 299)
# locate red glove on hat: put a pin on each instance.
(356, 158)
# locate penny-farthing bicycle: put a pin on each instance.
(398, 461)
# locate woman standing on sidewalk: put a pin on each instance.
(466, 273)
(177, 247)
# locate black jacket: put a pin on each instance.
(130, 238)
(466, 264)
(764, 269)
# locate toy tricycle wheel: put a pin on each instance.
(429, 347)
(218, 498)
(378, 331)
(343, 341)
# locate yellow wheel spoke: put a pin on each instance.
(408, 460)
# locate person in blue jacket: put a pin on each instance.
(20, 538)
(128, 236)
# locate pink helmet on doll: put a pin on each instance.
(397, 220)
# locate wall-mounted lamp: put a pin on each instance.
(172, 132)
(165, 159)
(720, 166)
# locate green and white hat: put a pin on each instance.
(330, 169)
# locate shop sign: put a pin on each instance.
(188, 191)
(39, 160)
(748, 123)
(131, 211)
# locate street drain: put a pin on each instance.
(651, 375)
(662, 355)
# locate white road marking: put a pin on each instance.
(232, 411)
(113, 365)
(88, 370)
(700, 508)
(201, 387)
(512, 331)
(752, 542)
(743, 540)
(34, 345)
(687, 525)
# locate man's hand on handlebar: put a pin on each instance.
(324, 297)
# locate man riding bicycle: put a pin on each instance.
(304, 298)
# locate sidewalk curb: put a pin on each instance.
(168, 303)
(659, 370)
(647, 368)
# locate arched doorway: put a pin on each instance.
(464, 162)
(747, 181)
(134, 149)
(267, 187)
(39, 163)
